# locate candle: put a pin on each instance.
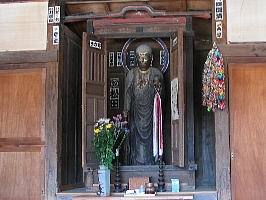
(117, 152)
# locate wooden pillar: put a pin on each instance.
(223, 185)
(190, 102)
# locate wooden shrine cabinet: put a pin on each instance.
(108, 48)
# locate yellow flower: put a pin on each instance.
(108, 126)
(96, 130)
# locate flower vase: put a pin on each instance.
(104, 180)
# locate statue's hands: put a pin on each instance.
(125, 113)
(157, 85)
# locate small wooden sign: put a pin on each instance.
(136, 182)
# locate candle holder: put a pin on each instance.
(161, 183)
(117, 183)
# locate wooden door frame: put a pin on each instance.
(187, 36)
(111, 28)
(94, 88)
(112, 25)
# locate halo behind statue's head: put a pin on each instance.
(143, 48)
(125, 53)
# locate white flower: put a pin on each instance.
(104, 120)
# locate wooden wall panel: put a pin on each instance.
(170, 6)
(96, 8)
(247, 130)
(245, 22)
(70, 77)
(202, 29)
(22, 175)
(199, 4)
(21, 103)
(204, 128)
(23, 26)
(22, 141)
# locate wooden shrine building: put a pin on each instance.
(60, 60)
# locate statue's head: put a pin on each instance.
(143, 57)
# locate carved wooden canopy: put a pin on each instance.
(136, 21)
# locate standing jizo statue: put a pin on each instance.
(142, 84)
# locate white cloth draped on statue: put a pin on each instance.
(157, 128)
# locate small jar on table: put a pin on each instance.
(150, 189)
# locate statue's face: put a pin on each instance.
(143, 60)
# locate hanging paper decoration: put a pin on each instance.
(213, 87)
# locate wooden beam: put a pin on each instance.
(138, 11)
(12, 57)
(31, 148)
(142, 21)
(133, 31)
(22, 144)
(21, 141)
(23, 66)
(246, 49)
(84, 17)
(244, 59)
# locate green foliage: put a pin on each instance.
(109, 136)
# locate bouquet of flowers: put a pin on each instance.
(109, 135)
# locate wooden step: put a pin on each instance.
(136, 197)
(81, 194)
